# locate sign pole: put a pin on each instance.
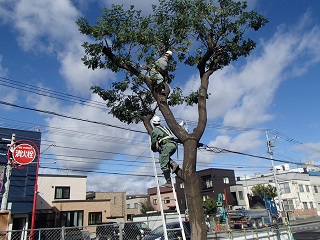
(34, 206)
(9, 168)
(23, 153)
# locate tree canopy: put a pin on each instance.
(267, 190)
(210, 205)
(205, 34)
(145, 206)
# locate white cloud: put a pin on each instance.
(138, 4)
(243, 96)
(49, 27)
(129, 184)
(241, 142)
(240, 96)
(6, 96)
(3, 70)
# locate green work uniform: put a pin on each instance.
(163, 136)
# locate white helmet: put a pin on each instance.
(169, 53)
(156, 120)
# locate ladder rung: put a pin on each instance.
(166, 199)
(161, 200)
(173, 229)
(171, 213)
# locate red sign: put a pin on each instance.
(23, 154)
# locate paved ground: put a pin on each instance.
(302, 229)
(300, 221)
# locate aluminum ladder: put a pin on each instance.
(160, 202)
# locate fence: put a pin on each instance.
(137, 230)
(266, 233)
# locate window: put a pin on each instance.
(205, 197)
(288, 205)
(226, 180)
(129, 217)
(136, 205)
(128, 205)
(315, 189)
(72, 219)
(62, 193)
(95, 218)
(207, 181)
(241, 195)
(305, 205)
(285, 187)
(166, 200)
(182, 185)
(307, 188)
(311, 205)
(154, 201)
(301, 189)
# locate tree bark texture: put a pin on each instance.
(193, 192)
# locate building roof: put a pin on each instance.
(61, 175)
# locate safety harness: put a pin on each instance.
(166, 131)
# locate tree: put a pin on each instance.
(207, 35)
(261, 190)
(145, 206)
(210, 206)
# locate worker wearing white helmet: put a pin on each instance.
(159, 72)
(162, 141)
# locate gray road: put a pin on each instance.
(306, 231)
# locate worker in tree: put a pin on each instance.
(159, 72)
(162, 141)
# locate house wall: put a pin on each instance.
(221, 179)
(241, 195)
(102, 206)
(117, 203)
(133, 204)
(315, 186)
(164, 193)
(48, 182)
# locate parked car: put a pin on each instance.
(107, 231)
(173, 231)
(135, 230)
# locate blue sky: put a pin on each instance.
(276, 87)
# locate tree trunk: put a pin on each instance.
(193, 192)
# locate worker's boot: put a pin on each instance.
(175, 166)
(167, 176)
(176, 169)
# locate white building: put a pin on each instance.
(299, 190)
(63, 201)
(315, 185)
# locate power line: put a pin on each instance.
(50, 93)
(221, 150)
(69, 117)
(293, 141)
(102, 172)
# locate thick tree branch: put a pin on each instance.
(121, 64)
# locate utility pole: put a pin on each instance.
(9, 168)
(271, 144)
